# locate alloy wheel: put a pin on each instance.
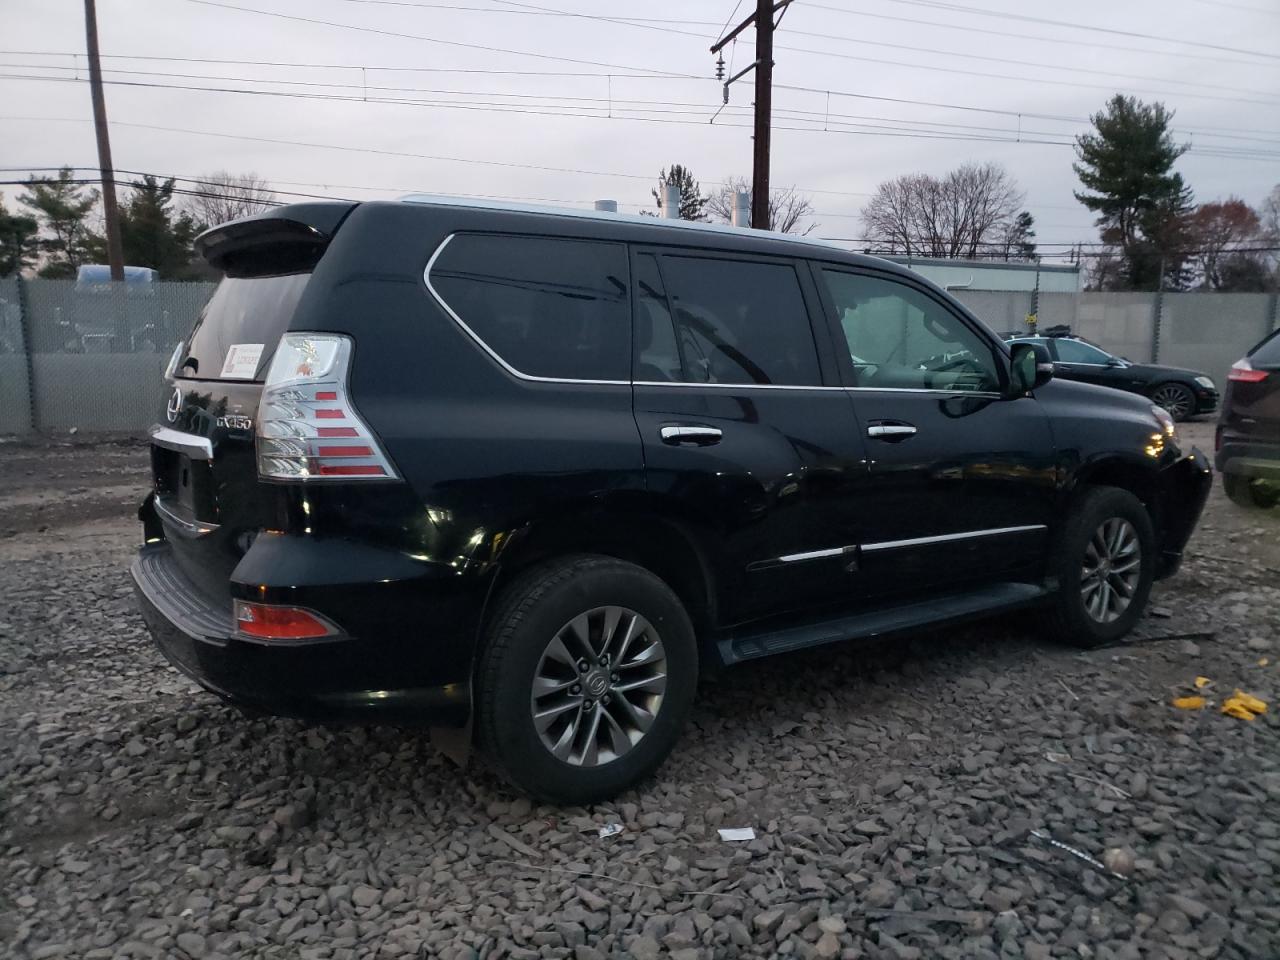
(1175, 400)
(598, 686)
(1111, 570)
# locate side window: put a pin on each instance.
(657, 356)
(549, 308)
(1073, 351)
(740, 322)
(900, 338)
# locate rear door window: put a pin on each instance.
(736, 321)
(237, 331)
(545, 307)
(1073, 351)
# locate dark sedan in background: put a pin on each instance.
(1183, 393)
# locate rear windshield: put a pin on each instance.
(237, 331)
(1267, 353)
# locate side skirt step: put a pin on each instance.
(749, 643)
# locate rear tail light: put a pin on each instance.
(262, 621)
(308, 429)
(1242, 372)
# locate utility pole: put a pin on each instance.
(110, 212)
(763, 66)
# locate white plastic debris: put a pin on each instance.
(610, 829)
(735, 834)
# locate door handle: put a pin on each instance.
(695, 435)
(890, 430)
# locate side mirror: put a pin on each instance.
(1114, 362)
(1031, 367)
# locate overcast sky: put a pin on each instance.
(1217, 63)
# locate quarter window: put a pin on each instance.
(735, 321)
(900, 338)
(547, 307)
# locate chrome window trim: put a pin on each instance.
(201, 448)
(532, 378)
(948, 537)
(426, 276)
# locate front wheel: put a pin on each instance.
(1104, 561)
(586, 678)
(1246, 492)
(1176, 399)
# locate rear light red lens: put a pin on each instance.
(264, 621)
(1242, 372)
(351, 470)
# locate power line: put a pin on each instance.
(832, 123)
(912, 48)
(1007, 15)
(1205, 129)
(362, 66)
(648, 178)
(821, 53)
(450, 43)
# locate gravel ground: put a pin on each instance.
(895, 791)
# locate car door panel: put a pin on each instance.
(753, 465)
(961, 481)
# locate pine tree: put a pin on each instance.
(62, 207)
(1126, 167)
(19, 241)
(692, 201)
(150, 233)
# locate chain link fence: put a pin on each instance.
(90, 356)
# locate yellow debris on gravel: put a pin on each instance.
(1189, 703)
(1202, 682)
(1243, 706)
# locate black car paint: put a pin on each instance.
(1141, 378)
(500, 471)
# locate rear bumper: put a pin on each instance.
(1248, 458)
(370, 678)
(1186, 486)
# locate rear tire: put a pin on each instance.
(1104, 561)
(586, 678)
(1248, 493)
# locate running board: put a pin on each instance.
(748, 643)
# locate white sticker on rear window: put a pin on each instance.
(242, 361)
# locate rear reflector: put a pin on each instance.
(308, 428)
(263, 621)
(1242, 372)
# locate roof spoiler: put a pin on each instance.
(286, 239)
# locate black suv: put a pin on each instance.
(1248, 435)
(1183, 393)
(518, 475)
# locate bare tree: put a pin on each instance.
(224, 196)
(787, 206)
(1218, 229)
(967, 213)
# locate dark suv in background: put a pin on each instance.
(519, 474)
(1248, 436)
(1182, 393)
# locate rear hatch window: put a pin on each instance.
(1267, 353)
(237, 332)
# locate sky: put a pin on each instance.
(569, 101)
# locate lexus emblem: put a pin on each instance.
(175, 405)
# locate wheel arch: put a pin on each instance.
(662, 545)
